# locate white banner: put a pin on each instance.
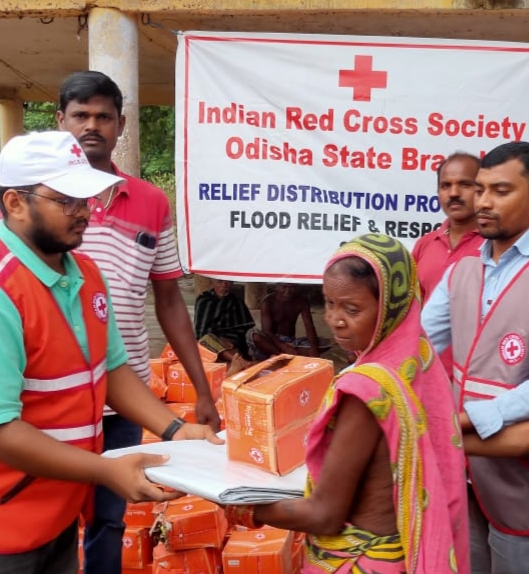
(287, 145)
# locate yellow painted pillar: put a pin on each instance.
(11, 118)
(113, 50)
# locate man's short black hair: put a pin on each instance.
(505, 152)
(456, 155)
(81, 86)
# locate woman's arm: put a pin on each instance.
(346, 460)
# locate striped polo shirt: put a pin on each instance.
(133, 241)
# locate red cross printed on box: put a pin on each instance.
(76, 150)
(363, 78)
(512, 349)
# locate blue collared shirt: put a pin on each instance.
(488, 417)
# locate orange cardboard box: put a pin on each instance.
(139, 514)
(279, 453)
(185, 411)
(256, 551)
(192, 522)
(197, 561)
(219, 404)
(157, 385)
(206, 355)
(148, 437)
(137, 548)
(159, 367)
(276, 392)
(298, 552)
(269, 408)
(180, 389)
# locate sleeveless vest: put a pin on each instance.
(63, 396)
(491, 357)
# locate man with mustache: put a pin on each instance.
(61, 358)
(479, 307)
(458, 235)
(131, 238)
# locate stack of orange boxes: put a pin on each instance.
(267, 550)
(269, 416)
(137, 542)
(194, 530)
(179, 386)
(269, 409)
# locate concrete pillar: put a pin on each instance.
(254, 294)
(113, 50)
(11, 118)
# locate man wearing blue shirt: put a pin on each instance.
(480, 308)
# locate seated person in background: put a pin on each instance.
(221, 323)
(279, 314)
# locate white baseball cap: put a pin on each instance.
(54, 159)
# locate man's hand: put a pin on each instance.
(126, 477)
(190, 431)
(207, 413)
(511, 442)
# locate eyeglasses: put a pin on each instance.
(70, 205)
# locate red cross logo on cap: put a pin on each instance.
(363, 79)
(76, 150)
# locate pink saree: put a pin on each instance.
(401, 380)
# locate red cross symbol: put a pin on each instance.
(512, 348)
(76, 150)
(363, 79)
(102, 306)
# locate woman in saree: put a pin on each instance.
(386, 490)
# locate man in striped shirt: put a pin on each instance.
(131, 237)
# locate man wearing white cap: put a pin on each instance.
(61, 359)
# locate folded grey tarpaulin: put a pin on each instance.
(203, 469)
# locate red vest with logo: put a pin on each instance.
(63, 396)
(490, 357)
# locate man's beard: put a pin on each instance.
(45, 240)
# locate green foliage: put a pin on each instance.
(166, 181)
(157, 136)
(39, 116)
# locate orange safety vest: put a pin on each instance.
(63, 396)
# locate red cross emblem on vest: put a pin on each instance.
(363, 79)
(100, 306)
(512, 349)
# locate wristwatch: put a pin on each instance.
(175, 425)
